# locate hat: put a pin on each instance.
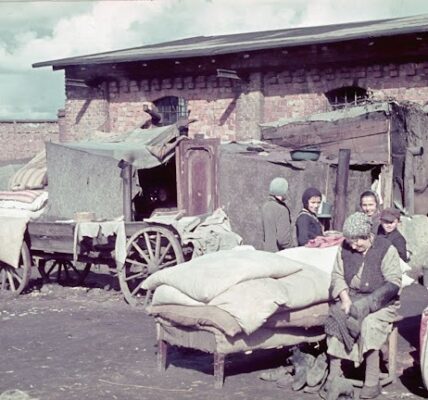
(278, 187)
(357, 225)
(389, 215)
(308, 193)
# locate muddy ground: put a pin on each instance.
(87, 343)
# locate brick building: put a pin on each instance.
(231, 83)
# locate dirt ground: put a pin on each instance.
(87, 343)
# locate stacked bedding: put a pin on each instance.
(246, 284)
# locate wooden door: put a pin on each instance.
(197, 164)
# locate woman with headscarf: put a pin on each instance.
(366, 281)
(369, 204)
(307, 224)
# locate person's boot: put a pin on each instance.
(339, 388)
(285, 381)
(370, 392)
(317, 371)
(318, 387)
(275, 374)
(299, 377)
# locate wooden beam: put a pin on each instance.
(341, 188)
(409, 183)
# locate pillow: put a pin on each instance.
(32, 175)
(31, 200)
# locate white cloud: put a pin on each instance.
(43, 31)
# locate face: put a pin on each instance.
(360, 245)
(369, 205)
(388, 227)
(314, 204)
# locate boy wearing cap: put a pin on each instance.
(389, 220)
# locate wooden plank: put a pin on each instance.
(409, 183)
(327, 131)
(57, 244)
(341, 189)
(51, 229)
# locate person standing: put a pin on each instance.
(276, 217)
(308, 225)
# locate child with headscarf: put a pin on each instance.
(369, 204)
(308, 225)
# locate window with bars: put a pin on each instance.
(171, 108)
(346, 96)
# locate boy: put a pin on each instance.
(389, 220)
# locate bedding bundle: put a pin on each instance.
(248, 284)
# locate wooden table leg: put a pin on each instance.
(162, 354)
(219, 370)
(392, 354)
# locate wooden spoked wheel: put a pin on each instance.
(147, 251)
(63, 272)
(14, 280)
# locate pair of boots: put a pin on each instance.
(309, 371)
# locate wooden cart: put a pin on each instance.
(49, 246)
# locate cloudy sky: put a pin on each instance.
(33, 31)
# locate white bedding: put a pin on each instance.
(250, 285)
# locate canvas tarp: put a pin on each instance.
(135, 147)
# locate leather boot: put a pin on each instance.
(317, 371)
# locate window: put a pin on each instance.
(346, 96)
(171, 108)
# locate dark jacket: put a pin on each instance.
(397, 240)
(307, 227)
(276, 225)
(371, 277)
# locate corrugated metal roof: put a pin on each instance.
(226, 44)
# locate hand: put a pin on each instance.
(346, 305)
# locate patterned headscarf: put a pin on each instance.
(357, 225)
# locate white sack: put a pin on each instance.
(167, 295)
(306, 287)
(322, 258)
(252, 302)
(205, 277)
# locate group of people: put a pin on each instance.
(277, 226)
(365, 282)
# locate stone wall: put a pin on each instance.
(22, 139)
(232, 109)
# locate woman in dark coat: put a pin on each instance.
(307, 224)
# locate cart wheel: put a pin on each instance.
(63, 272)
(147, 251)
(13, 279)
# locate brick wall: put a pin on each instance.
(23, 139)
(232, 109)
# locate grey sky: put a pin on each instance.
(38, 31)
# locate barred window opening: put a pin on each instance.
(171, 108)
(346, 96)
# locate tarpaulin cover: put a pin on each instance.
(132, 147)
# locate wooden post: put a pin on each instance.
(341, 188)
(126, 175)
(387, 189)
(409, 183)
